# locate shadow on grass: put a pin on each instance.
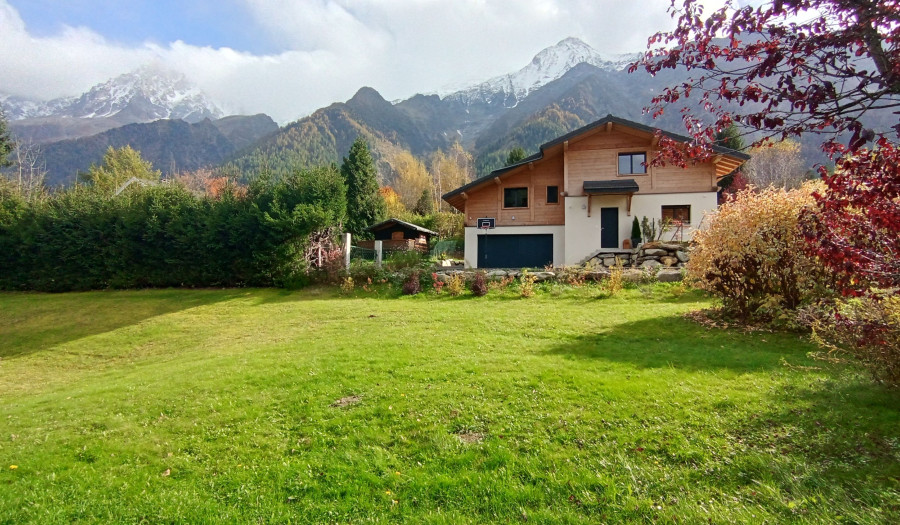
(32, 322)
(675, 342)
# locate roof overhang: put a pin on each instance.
(611, 187)
(390, 222)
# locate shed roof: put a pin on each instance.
(392, 221)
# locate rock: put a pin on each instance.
(655, 252)
(671, 247)
(609, 261)
(669, 275)
(496, 274)
(668, 261)
(633, 275)
(650, 263)
(597, 275)
(682, 256)
(543, 276)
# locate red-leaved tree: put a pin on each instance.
(792, 67)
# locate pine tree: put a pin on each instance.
(365, 205)
(425, 205)
(516, 155)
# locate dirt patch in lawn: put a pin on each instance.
(470, 437)
(346, 401)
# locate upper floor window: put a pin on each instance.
(680, 212)
(515, 197)
(552, 194)
(631, 163)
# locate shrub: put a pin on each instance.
(436, 283)
(752, 254)
(456, 283)
(479, 284)
(636, 230)
(616, 280)
(526, 284)
(347, 285)
(412, 286)
(867, 327)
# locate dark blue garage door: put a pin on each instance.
(515, 251)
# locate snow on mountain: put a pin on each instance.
(547, 66)
(144, 95)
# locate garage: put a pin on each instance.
(515, 251)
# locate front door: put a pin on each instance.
(609, 227)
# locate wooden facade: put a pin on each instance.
(589, 154)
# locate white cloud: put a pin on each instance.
(334, 47)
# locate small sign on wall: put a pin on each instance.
(485, 223)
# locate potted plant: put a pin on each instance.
(635, 233)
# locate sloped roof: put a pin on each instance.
(392, 221)
(739, 158)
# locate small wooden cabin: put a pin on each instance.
(400, 235)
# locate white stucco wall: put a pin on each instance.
(582, 233)
(472, 234)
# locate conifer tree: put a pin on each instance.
(6, 142)
(365, 205)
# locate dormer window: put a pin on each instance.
(632, 163)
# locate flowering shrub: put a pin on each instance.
(752, 254)
(436, 283)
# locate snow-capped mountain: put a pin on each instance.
(547, 66)
(144, 95)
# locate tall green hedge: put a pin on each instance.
(166, 236)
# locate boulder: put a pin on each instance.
(655, 252)
(671, 246)
(668, 261)
(682, 256)
(496, 274)
(669, 275)
(609, 261)
(543, 276)
(650, 263)
(633, 275)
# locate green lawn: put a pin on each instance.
(219, 406)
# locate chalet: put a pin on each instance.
(578, 195)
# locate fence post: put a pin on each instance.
(378, 253)
(347, 251)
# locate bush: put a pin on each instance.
(616, 280)
(752, 254)
(479, 284)
(456, 284)
(866, 327)
(412, 286)
(526, 284)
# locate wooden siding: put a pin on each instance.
(593, 156)
(487, 200)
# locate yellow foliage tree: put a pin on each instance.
(395, 207)
(411, 180)
(779, 165)
(118, 166)
(450, 170)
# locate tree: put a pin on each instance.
(393, 205)
(425, 204)
(118, 166)
(730, 137)
(770, 74)
(450, 170)
(767, 73)
(7, 144)
(516, 155)
(411, 178)
(778, 165)
(365, 205)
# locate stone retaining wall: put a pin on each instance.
(648, 255)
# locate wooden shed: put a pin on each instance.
(400, 235)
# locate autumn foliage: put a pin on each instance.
(752, 254)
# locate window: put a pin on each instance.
(552, 194)
(515, 197)
(680, 212)
(631, 163)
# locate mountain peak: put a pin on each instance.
(548, 65)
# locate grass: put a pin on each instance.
(221, 406)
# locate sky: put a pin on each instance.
(287, 58)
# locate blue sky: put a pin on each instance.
(287, 58)
(215, 23)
